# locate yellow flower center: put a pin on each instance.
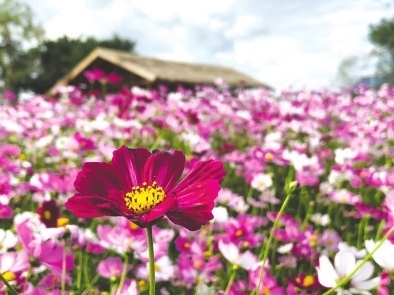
(9, 276)
(239, 233)
(266, 291)
(269, 156)
(308, 281)
(142, 199)
(47, 214)
(141, 284)
(313, 240)
(62, 221)
(197, 264)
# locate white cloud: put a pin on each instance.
(294, 42)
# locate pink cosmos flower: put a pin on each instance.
(120, 239)
(95, 74)
(241, 231)
(53, 280)
(344, 196)
(111, 268)
(12, 264)
(113, 78)
(388, 205)
(9, 95)
(6, 211)
(47, 252)
(141, 186)
(129, 287)
(268, 285)
(85, 144)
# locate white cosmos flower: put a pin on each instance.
(220, 214)
(164, 270)
(8, 240)
(344, 263)
(359, 254)
(320, 219)
(231, 252)
(261, 182)
(383, 255)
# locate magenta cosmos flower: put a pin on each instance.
(142, 186)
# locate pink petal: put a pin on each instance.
(165, 168)
(91, 206)
(97, 179)
(203, 170)
(129, 163)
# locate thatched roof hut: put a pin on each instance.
(149, 72)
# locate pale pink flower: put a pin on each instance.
(344, 196)
(111, 268)
(231, 252)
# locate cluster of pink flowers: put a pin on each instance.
(339, 145)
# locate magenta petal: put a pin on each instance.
(165, 168)
(25, 236)
(202, 171)
(188, 221)
(158, 211)
(97, 179)
(129, 163)
(195, 204)
(90, 206)
(200, 193)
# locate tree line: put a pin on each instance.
(29, 61)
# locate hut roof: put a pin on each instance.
(153, 71)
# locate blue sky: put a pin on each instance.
(285, 43)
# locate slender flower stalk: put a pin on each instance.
(290, 186)
(124, 271)
(231, 280)
(151, 254)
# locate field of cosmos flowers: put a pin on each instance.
(245, 192)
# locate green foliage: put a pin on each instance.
(17, 28)
(39, 67)
(382, 35)
(54, 58)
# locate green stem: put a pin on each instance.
(10, 288)
(275, 225)
(290, 187)
(232, 278)
(124, 272)
(90, 284)
(360, 231)
(346, 279)
(149, 236)
(79, 273)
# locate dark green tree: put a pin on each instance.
(382, 35)
(55, 58)
(17, 30)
